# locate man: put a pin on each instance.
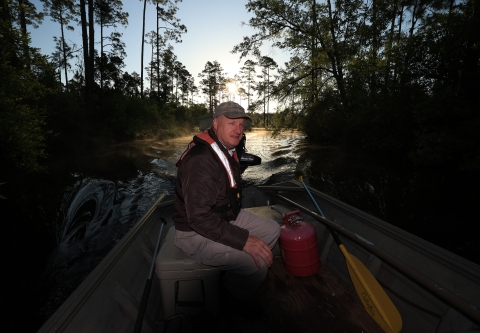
(210, 226)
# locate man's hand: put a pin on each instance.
(257, 248)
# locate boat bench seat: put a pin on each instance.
(186, 286)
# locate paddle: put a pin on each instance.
(148, 285)
(374, 299)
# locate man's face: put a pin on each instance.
(229, 131)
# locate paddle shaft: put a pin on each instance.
(371, 294)
(148, 284)
(332, 232)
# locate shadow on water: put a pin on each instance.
(61, 225)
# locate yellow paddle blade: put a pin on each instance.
(374, 299)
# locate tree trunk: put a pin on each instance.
(91, 36)
(314, 52)
(390, 44)
(64, 50)
(143, 44)
(101, 55)
(469, 77)
(336, 61)
(399, 37)
(268, 93)
(86, 63)
(248, 95)
(414, 18)
(374, 66)
(23, 29)
(158, 56)
(151, 71)
(6, 17)
(405, 76)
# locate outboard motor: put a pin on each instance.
(249, 159)
(245, 158)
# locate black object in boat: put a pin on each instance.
(247, 159)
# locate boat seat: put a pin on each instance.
(186, 286)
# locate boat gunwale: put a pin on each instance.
(463, 306)
(70, 307)
(434, 252)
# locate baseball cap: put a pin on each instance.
(230, 110)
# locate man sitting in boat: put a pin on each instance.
(210, 225)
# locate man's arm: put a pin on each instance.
(203, 183)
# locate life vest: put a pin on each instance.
(234, 190)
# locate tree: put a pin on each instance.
(63, 53)
(88, 40)
(168, 63)
(143, 45)
(28, 15)
(25, 13)
(289, 26)
(212, 82)
(185, 82)
(61, 11)
(129, 84)
(153, 76)
(22, 116)
(91, 48)
(172, 27)
(108, 13)
(165, 13)
(108, 69)
(267, 64)
(247, 73)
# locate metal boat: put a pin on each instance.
(433, 289)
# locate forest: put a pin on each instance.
(398, 77)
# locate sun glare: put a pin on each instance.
(232, 87)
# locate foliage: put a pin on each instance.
(188, 116)
(247, 74)
(212, 82)
(61, 11)
(397, 77)
(22, 118)
(166, 11)
(394, 77)
(45, 112)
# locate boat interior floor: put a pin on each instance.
(316, 303)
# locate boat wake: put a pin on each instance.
(94, 215)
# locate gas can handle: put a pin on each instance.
(295, 220)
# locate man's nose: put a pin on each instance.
(238, 129)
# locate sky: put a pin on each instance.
(214, 27)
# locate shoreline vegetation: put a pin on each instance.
(403, 91)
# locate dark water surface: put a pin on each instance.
(57, 227)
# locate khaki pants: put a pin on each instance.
(242, 277)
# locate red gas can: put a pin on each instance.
(298, 242)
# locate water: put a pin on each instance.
(57, 227)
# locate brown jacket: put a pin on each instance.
(202, 187)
